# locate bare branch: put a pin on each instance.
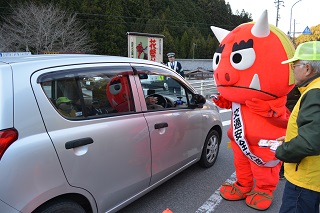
(42, 28)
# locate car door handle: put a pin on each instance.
(78, 142)
(160, 125)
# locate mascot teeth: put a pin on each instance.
(114, 103)
(255, 82)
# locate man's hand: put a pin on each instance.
(281, 138)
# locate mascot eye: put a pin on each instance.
(216, 60)
(243, 59)
(115, 89)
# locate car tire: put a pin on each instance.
(210, 149)
(58, 206)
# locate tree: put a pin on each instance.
(108, 22)
(168, 45)
(184, 44)
(315, 36)
(42, 28)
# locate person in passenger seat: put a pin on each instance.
(96, 108)
(65, 107)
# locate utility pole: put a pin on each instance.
(294, 22)
(278, 4)
(294, 32)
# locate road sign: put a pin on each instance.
(307, 31)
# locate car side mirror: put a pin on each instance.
(197, 101)
(143, 76)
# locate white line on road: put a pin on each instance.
(215, 199)
(226, 123)
(224, 110)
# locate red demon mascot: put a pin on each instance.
(253, 82)
(118, 93)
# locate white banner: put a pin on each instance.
(145, 46)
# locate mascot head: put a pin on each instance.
(247, 63)
(118, 93)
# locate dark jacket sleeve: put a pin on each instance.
(179, 69)
(307, 142)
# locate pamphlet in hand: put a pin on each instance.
(272, 144)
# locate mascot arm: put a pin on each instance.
(271, 108)
(222, 102)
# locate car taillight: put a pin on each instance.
(7, 137)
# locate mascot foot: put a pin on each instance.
(234, 191)
(259, 200)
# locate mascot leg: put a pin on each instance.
(244, 183)
(261, 196)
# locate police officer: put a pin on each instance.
(173, 64)
(174, 86)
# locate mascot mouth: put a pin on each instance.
(254, 85)
(248, 88)
(117, 104)
(114, 103)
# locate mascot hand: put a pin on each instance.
(221, 102)
(272, 108)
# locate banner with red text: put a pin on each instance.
(145, 46)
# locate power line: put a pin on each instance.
(143, 19)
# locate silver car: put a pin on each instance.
(67, 148)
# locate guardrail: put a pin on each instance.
(205, 87)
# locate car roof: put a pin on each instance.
(30, 63)
(72, 58)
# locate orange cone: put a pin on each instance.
(167, 211)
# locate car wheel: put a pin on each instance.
(210, 149)
(58, 206)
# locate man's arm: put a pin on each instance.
(307, 142)
(180, 70)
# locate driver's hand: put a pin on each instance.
(151, 100)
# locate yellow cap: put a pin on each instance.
(308, 51)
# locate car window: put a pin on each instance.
(80, 94)
(163, 91)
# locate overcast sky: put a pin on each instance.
(305, 12)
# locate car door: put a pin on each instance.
(105, 151)
(175, 129)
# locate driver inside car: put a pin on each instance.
(151, 102)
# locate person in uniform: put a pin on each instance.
(173, 86)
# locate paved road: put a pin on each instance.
(195, 190)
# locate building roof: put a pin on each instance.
(196, 64)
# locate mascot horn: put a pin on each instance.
(252, 81)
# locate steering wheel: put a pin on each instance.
(162, 101)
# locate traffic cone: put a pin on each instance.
(167, 211)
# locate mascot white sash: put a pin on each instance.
(239, 137)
